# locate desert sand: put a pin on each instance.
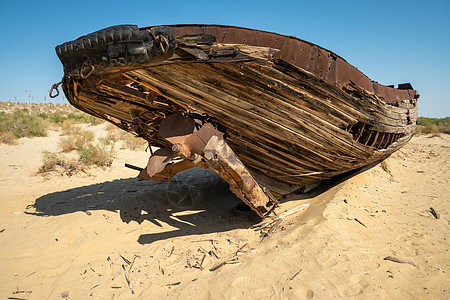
(76, 237)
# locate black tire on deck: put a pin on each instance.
(114, 46)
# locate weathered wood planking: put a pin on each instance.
(289, 127)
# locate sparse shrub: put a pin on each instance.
(433, 125)
(427, 128)
(84, 137)
(22, 124)
(100, 154)
(106, 141)
(50, 160)
(8, 138)
(43, 116)
(113, 136)
(80, 117)
(132, 142)
(56, 162)
(84, 118)
(444, 128)
(129, 140)
(57, 117)
(110, 127)
(67, 144)
(76, 140)
(68, 127)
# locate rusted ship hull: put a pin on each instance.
(269, 113)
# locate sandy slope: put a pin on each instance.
(66, 236)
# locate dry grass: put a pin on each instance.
(113, 136)
(76, 140)
(8, 138)
(134, 143)
(433, 125)
(69, 127)
(100, 154)
(56, 162)
(129, 140)
(427, 128)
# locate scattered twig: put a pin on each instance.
(215, 267)
(161, 269)
(21, 292)
(171, 251)
(173, 284)
(208, 240)
(188, 262)
(15, 298)
(128, 280)
(399, 260)
(269, 221)
(435, 214)
(230, 260)
(212, 253)
(94, 287)
(214, 246)
(126, 260)
(109, 261)
(295, 274)
(240, 249)
(135, 256)
(2, 230)
(360, 222)
(272, 229)
(31, 273)
(200, 249)
(203, 259)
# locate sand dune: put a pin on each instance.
(75, 237)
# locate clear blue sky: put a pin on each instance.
(390, 41)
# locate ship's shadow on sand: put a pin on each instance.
(194, 201)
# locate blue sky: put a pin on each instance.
(390, 41)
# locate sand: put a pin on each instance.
(75, 237)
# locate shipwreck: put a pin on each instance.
(269, 113)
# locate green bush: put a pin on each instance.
(80, 118)
(22, 124)
(57, 117)
(100, 154)
(433, 125)
(61, 117)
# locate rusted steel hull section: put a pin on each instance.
(268, 113)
